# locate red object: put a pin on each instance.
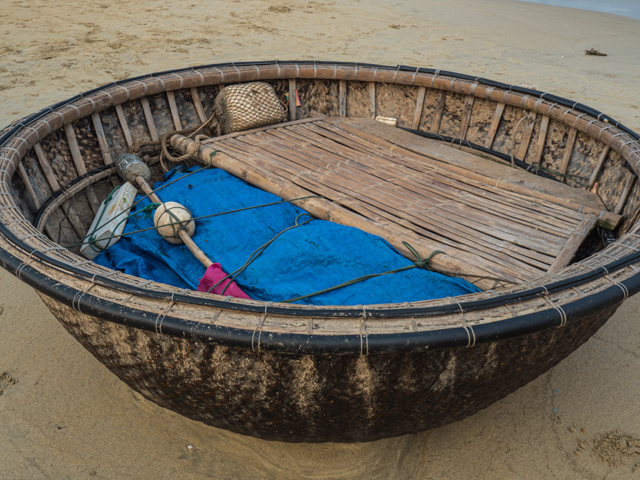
(212, 276)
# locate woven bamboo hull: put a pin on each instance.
(302, 398)
(294, 373)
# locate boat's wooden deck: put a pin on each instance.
(504, 222)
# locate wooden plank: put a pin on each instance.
(102, 139)
(526, 137)
(123, 124)
(343, 98)
(568, 149)
(419, 105)
(195, 96)
(598, 167)
(495, 123)
(509, 201)
(173, 107)
(151, 124)
(478, 167)
(542, 138)
(573, 243)
(46, 168)
(292, 99)
(631, 178)
(437, 119)
(372, 100)
(375, 174)
(404, 168)
(466, 116)
(419, 163)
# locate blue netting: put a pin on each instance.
(305, 259)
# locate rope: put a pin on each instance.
(82, 242)
(580, 180)
(164, 152)
(418, 263)
(256, 253)
(148, 213)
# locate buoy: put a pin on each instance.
(109, 222)
(171, 217)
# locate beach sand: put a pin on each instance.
(63, 415)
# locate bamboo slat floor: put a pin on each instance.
(501, 221)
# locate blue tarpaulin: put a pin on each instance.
(305, 259)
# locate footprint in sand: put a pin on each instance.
(6, 380)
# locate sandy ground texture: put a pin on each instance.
(63, 415)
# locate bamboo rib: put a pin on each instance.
(568, 150)
(342, 97)
(76, 155)
(372, 100)
(148, 116)
(419, 106)
(466, 117)
(123, 124)
(46, 168)
(437, 119)
(171, 98)
(195, 97)
(542, 138)
(102, 139)
(495, 123)
(68, 210)
(292, 99)
(598, 167)
(631, 179)
(526, 137)
(27, 183)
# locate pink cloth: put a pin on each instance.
(212, 276)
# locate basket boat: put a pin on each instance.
(301, 373)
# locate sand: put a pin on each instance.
(63, 415)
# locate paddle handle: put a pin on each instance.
(184, 236)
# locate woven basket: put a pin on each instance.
(245, 106)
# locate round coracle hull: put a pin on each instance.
(300, 373)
